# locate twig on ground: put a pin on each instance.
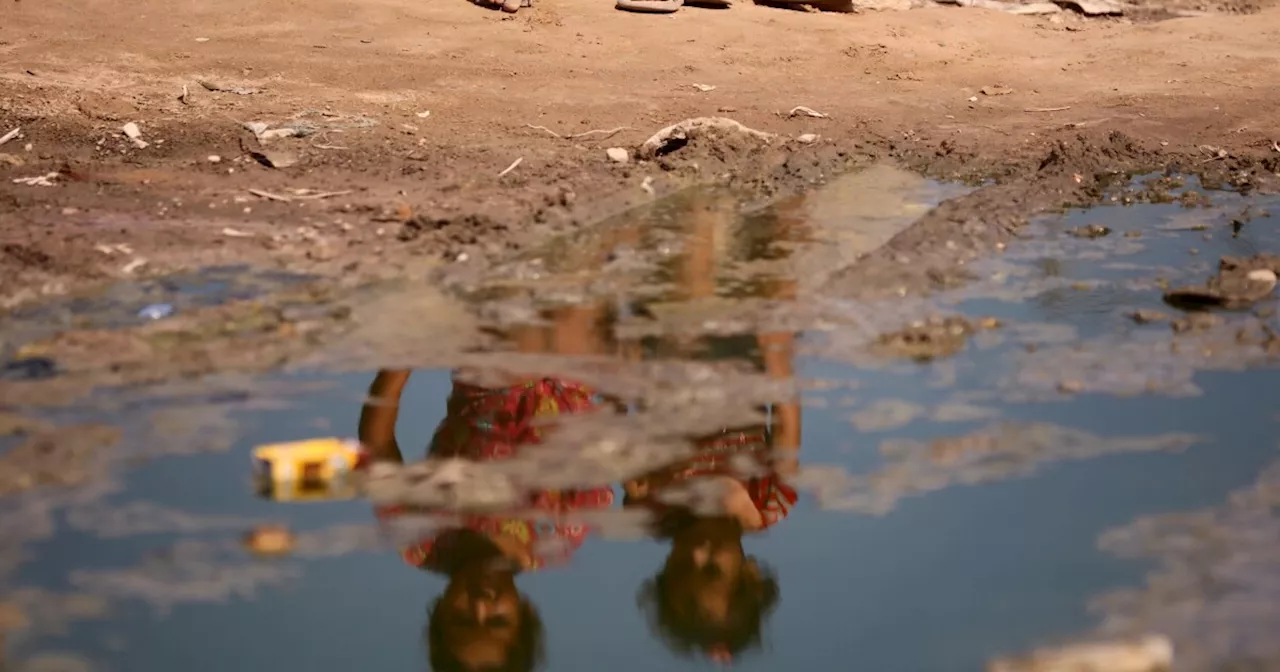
(270, 196)
(320, 195)
(511, 167)
(1046, 109)
(10, 135)
(603, 133)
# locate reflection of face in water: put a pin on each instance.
(710, 597)
(481, 622)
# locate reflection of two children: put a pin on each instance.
(709, 597)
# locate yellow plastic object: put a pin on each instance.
(315, 469)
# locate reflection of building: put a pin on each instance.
(1216, 590)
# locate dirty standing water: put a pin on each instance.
(681, 454)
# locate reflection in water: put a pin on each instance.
(708, 597)
(671, 452)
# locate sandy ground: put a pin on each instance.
(1067, 99)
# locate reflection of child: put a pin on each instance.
(710, 596)
(481, 621)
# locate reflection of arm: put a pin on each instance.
(778, 349)
(378, 416)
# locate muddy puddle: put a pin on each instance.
(677, 454)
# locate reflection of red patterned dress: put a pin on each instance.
(485, 424)
(772, 497)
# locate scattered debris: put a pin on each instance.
(1089, 231)
(10, 159)
(276, 158)
(156, 311)
(213, 158)
(45, 180)
(238, 90)
(808, 112)
(118, 248)
(1008, 7)
(678, 132)
(647, 185)
(235, 233)
(133, 266)
(423, 114)
(1196, 322)
(930, 339)
(1145, 654)
(1047, 109)
(10, 135)
(134, 133)
(28, 368)
(1239, 283)
(1092, 7)
(618, 154)
(1144, 316)
(996, 90)
(604, 134)
(1070, 386)
(807, 138)
(298, 195)
(185, 96)
(270, 196)
(704, 87)
(202, 39)
(506, 171)
(269, 540)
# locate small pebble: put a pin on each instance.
(618, 154)
(807, 138)
(269, 540)
(214, 158)
(156, 311)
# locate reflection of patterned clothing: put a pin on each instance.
(492, 424)
(772, 497)
(483, 424)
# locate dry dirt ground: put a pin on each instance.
(1067, 99)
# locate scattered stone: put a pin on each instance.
(1240, 282)
(1196, 322)
(807, 138)
(930, 339)
(618, 154)
(1090, 231)
(156, 311)
(995, 90)
(705, 88)
(214, 158)
(1144, 316)
(237, 90)
(276, 158)
(269, 540)
(134, 133)
(665, 139)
